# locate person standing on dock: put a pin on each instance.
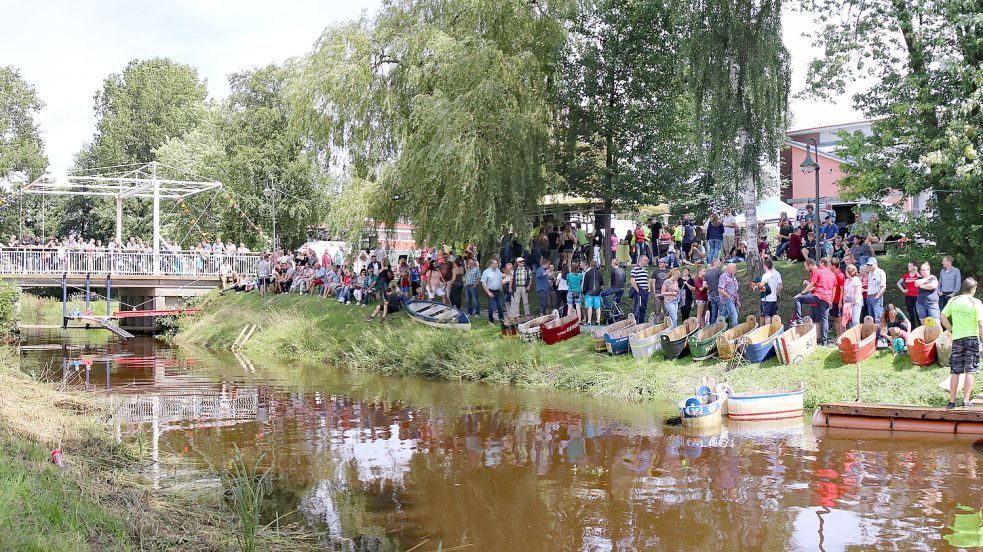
(964, 316)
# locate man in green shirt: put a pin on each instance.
(964, 316)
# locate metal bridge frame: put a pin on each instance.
(130, 181)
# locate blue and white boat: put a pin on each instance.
(703, 409)
(438, 315)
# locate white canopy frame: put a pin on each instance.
(140, 181)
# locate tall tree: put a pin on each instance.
(443, 105)
(924, 61)
(136, 111)
(21, 146)
(22, 157)
(740, 71)
(625, 138)
(247, 142)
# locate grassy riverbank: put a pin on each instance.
(292, 326)
(100, 499)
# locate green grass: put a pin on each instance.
(102, 498)
(40, 509)
(324, 331)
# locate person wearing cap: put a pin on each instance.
(876, 286)
(964, 316)
(521, 284)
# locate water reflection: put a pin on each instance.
(392, 463)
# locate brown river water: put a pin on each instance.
(408, 464)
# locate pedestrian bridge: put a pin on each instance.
(143, 280)
(42, 267)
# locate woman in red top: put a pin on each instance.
(701, 294)
(907, 285)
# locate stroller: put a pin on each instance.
(611, 310)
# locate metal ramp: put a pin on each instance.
(105, 323)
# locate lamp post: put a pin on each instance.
(810, 165)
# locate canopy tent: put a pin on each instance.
(770, 210)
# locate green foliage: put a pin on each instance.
(21, 147)
(443, 103)
(247, 488)
(625, 137)
(740, 69)
(923, 60)
(136, 111)
(9, 297)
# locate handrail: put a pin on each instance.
(171, 263)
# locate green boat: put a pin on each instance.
(703, 344)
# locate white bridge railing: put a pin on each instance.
(184, 408)
(22, 261)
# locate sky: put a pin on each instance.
(67, 48)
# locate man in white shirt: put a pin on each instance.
(876, 286)
(730, 232)
(769, 303)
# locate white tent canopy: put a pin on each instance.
(770, 210)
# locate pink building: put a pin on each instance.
(799, 188)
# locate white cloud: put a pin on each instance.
(67, 48)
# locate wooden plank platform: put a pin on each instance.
(974, 414)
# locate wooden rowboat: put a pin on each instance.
(598, 335)
(529, 330)
(703, 343)
(759, 344)
(675, 342)
(797, 342)
(922, 343)
(763, 405)
(727, 342)
(943, 348)
(617, 342)
(645, 343)
(859, 342)
(560, 329)
(438, 315)
(510, 326)
(703, 409)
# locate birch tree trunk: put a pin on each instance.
(754, 266)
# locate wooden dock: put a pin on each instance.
(891, 417)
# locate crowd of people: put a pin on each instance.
(676, 271)
(74, 253)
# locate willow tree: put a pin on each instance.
(740, 75)
(442, 105)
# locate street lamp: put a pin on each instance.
(810, 165)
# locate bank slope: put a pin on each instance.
(310, 329)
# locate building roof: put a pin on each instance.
(822, 127)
